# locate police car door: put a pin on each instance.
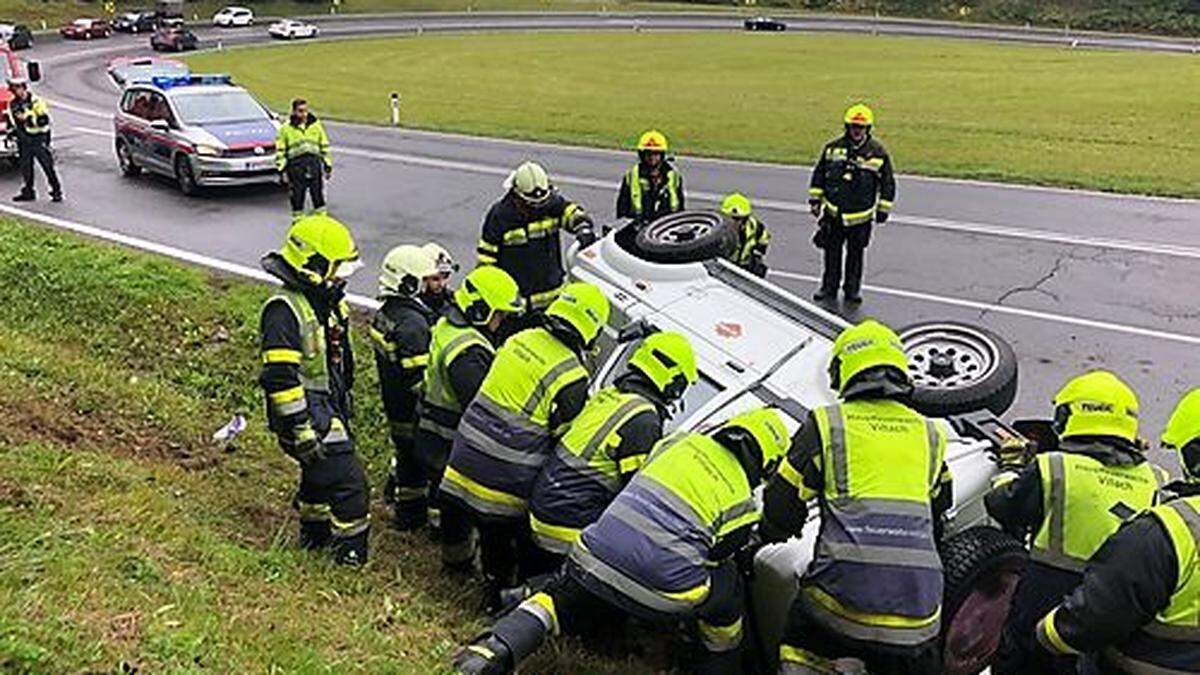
(134, 124)
(160, 147)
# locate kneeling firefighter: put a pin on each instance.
(753, 235)
(608, 442)
(873, 591)
(307, 375)
(537, 384)
(461, 351)
(663, 550)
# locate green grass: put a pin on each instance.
(1106, 120)
(129, 541)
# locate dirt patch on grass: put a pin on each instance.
(12, 494)
(38, 419)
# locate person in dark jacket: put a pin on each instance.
(852, 186)
(307, 377)
(29, 118)
(1138, 608)
(1067, 503)
(653, 187)
(400, 335)
(520, 235)
(753, 235)
(303, 158)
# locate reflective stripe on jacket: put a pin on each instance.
(652, 545)
(504, 436)
(440, 409)
(582, 477)
(1084, 502)
(853, 182)
(753, 239)
(876, 575)
(526, 244)
(309, 139)
(32, 117)
(667, 198)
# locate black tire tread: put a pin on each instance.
(996, 393)
(969, 555)
(715, 244)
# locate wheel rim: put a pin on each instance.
(948, 356)
(669, 231)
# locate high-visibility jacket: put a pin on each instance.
(586, 472)
(30, 117)
(653, 546)
(505, 434)
(753, 240)
(639, 198)
(440, 407)
(853, 181)
(1085, 501)
(305, 142)
(876, 575)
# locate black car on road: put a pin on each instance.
(17, 36)
(137, 21)
(764, 23)
(173, 36)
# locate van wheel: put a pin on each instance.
(982, 566)
(685, 237)
(959, 368)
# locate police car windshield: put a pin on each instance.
(215, 107)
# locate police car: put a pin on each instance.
(200, 130)
(757, 344)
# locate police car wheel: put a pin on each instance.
(125, 160)
(184, 177)
(685, 237)
(959, 368)
(982, 566)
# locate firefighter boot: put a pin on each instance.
(315, 534)
(351, 551)
(485, 656)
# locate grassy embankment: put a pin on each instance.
(131, 542)
(1094, 119)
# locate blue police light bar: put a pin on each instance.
(170, 82)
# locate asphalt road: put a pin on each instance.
(1074, 280)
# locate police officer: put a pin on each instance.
(1138, 607)
(608, 442)
(307, 375)
(303, 158)
(852, 185)
(400, 335)
(753, 236)
(1070, 500)
(653, 187)
(438, 295)
(520, 234)
(461, 350)
(537, 384)
(663, 550)
(29, 119)
(873, 591)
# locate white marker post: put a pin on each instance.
(395, 109)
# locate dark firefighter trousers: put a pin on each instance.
(854, 239)
(37, 147)
(418, 475)
(334, 492)
(803, 632)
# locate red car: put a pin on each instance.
(86, 29)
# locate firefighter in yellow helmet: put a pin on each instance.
(1138, 607)
(753, 235)
(876, 467)
(307, 373)
(653, 187)
(1067, 503)
(852, 187)
(663, 551)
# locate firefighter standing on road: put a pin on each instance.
(537, 384)
(852, 186)
(303, 158)
(1138, 607)
(520, 234)
(461, 351)
(307, 375)
(874, 589)
(29, 119)
(400, 335)
(653, 187)
(1070, 500)
(753, 236)
(665, 550)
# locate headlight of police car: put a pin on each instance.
(208, 151)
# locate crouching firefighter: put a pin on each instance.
(608, 442)
(307, 375)
(873, 591)
(1069, 501)
(400, 335)
(537, 384)
(663, 550)
(461, 350)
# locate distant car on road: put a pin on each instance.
(764, 23)
(291, 29)
(200, 130)
(16, 35)
(86, 29)
(126, 70)
(173, 36)
(137, 21)
(231, 17)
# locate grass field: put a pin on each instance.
(1115, 121)
(132, 543)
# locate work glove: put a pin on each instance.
(307, 451)
(881, 217)
(814, 205)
